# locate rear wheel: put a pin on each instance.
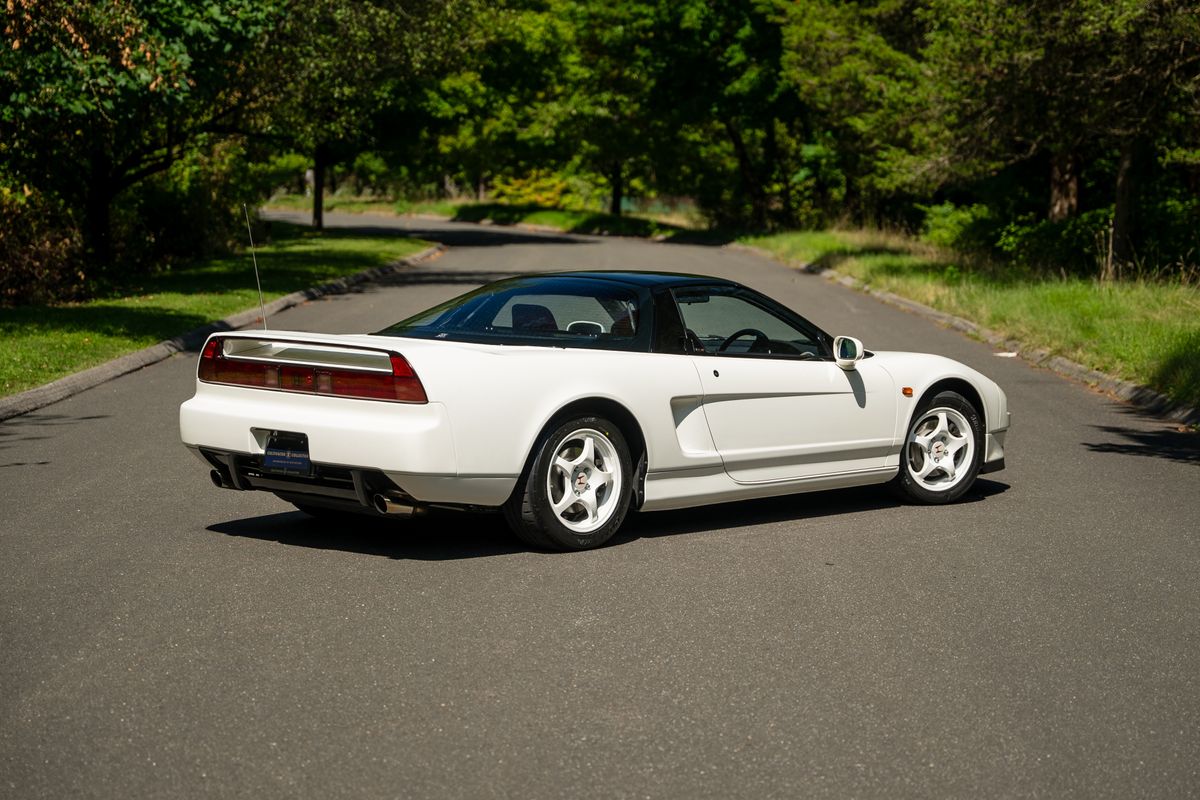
(576, 492)
(942, 450)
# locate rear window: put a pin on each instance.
(556, 310)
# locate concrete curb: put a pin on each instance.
(33, 399)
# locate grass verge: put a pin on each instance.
(43, 343)
(559, 219)
(1141, 331)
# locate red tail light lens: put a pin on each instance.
(216, 368)
(406, 383)
(401, 385)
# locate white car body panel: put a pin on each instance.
(776, 420)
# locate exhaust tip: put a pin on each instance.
(385, 505)
(215, 477)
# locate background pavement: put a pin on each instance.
(161, 637)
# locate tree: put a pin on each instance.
(339, 62)
(503, 105)
(1069, 82)
(101, 96)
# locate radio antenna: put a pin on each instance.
(262, 308)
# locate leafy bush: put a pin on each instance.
(1076, 245)
(191, 211)
(40, 249)
(972, 227)
(817, 186)
(282, 172)
(1170, 237)
(371, 174)
(539, 188)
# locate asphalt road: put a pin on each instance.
(160, 637)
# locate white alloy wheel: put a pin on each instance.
(584, 480)
(940, 449)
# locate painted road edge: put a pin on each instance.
(42, 396)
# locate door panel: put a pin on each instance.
(784, 419)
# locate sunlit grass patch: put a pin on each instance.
(42, 343)
(1144, 331)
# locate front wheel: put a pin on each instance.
(576, 491)
(942, 450)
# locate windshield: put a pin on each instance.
(555, 310)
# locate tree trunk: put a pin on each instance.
(750, 182)
(98, 229)
(616, 179)
(1064, 186)
(98, 207)
(320, 163)
(1122, 229)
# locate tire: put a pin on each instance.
(557, 509)
(943, 448)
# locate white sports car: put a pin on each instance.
(568, 399)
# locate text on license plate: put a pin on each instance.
(287, 454)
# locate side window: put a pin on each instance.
(721, 321)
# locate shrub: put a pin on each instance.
(1076, 245)
(539, 188)
(970, 228)
(193, 210)
(284, 172)
(41, 249)
(371, 174)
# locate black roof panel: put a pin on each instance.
(637, 278)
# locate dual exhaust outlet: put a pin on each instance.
(380, 502)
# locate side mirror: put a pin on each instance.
(847, 352)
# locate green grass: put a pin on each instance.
(334, 202)
(1142, 331)
(436, 208)
(42, 343)
(568, 221)
(663, 226)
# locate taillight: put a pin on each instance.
(407, 384)
(401, 385)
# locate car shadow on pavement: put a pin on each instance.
(436, 536)
(1182, 446)
(786, 508)
(449, 535)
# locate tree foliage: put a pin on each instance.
(1037, 130)
(101, 96)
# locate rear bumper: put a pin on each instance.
(330, 486)
(389, 437)
(356, 446)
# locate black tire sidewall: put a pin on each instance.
(905, 481)
(539, 499)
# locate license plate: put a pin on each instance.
(287, 454)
